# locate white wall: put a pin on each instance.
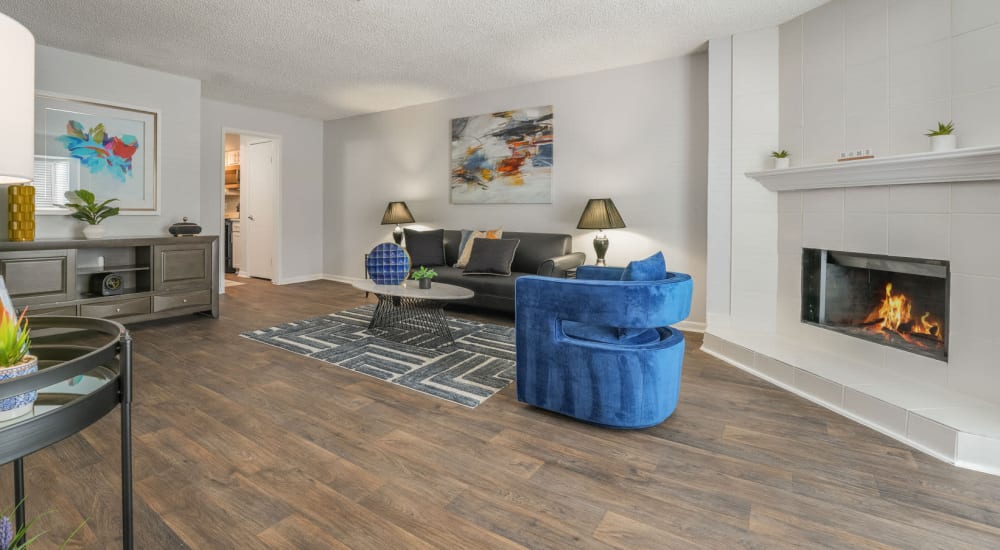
(178, 100)
(744, 271)
(880, 73)
(300, 202)
(636, 134)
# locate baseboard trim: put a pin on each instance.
(690, 326)
(299, 279)
(338, 278)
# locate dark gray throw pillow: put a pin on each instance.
(425, 247)
(491, 257)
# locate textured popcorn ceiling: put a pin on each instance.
(336, 58)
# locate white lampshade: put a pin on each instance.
(17, 102)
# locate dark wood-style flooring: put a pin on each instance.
(239, 445)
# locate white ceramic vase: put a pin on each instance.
(18, 405)
(93, 231)
(944, 143)
(781, 163)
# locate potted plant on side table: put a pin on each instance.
(85, 208)
(423, 277)
(14, 359)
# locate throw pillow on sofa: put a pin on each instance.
(465, 246)
(425, 247)
(492, 257)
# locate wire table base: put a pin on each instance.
(395, 313)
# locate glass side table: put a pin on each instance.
(84, 372)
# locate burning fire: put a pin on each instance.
(895, 315)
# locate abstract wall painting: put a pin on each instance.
(502, 158)
(114, 148)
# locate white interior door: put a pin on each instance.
(258, 184)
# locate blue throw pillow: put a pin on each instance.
(653, 268)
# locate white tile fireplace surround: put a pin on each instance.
(949, 409)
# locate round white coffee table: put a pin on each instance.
(407, 306)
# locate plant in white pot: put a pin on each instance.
(85, 208)
(944, 138)
(780, 159)
(15, 361)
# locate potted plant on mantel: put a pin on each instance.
(85, 208)
(14, 359)
(423, 277)
(780, 159)
(944, 138)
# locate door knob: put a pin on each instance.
(251, 218)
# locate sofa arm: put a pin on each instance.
(558, 266)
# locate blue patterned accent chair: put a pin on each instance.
(601, 349)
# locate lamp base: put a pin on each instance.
(397, 235)
(601, 248)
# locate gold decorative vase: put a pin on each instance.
(21, 213)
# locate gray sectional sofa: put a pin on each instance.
(548, 254)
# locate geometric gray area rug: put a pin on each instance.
(480, 363)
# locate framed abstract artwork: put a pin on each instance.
(503, 157)
(110, 150)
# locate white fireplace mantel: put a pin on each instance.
(976, 164)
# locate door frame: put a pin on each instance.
(278, 202)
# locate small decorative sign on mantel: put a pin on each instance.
(860, 154)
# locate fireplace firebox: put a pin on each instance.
(894, 301)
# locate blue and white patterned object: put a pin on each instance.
(23, 399)
(388, 264)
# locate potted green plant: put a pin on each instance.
(780, 159)
(85, 208)
(944, 138)
(15, 361)
(423, 277)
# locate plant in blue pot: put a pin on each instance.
(15, 361)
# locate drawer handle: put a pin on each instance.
(185, 300)
(118, 310)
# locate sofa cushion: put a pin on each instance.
(466, 249)
(425, 247)
(535, 248)
(491, 257)
(653, 268)
(609, 335)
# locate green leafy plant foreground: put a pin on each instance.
(423, 273)
(942, 130)
(779, 154)
(85, 207)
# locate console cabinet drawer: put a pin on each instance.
(187, 299)
(118, 308)
(65, 311)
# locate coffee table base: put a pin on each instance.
(398, 312)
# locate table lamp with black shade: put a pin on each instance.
(600, 214)
(397, 213)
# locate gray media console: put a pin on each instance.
(153, 277)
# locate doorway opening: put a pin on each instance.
(251, 201)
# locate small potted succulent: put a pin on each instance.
(85, 208)
(423, 277)
(780, 159)
(944, 138)
(15, 361)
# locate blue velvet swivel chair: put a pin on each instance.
(600, 349)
